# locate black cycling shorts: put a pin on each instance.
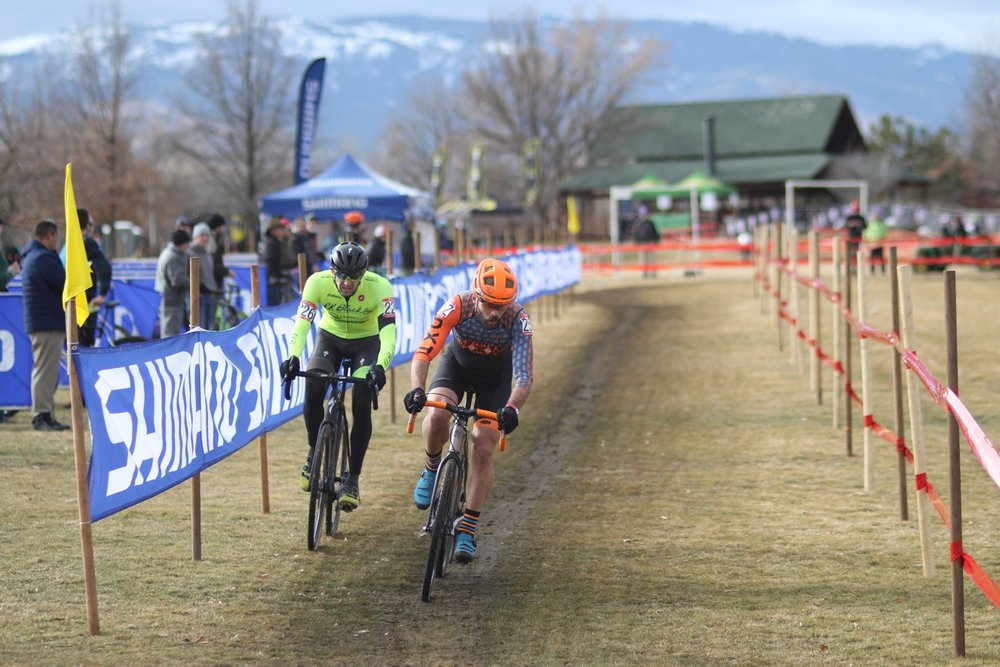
(330, 351)
(492, 386)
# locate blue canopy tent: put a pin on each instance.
(348, 185)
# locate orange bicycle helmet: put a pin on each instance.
(354, 217)
(495, 282)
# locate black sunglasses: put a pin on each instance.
(340, 275)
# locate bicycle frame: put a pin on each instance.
(448, 499)
(330, 453)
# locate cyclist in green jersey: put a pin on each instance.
(358, 322)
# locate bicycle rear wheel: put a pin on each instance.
(442, 531)
(338, 463)
(319, 484)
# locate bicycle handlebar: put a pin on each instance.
(330, 378)
(459, 410)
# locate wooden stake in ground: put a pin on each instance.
(815, 364)
(848, 403)
(794, 313)
(265, 495)
(837, 326)
(954, 471)
(916, 423)
(776, 283)
(897, 387)
(866, 374)
(194, 316)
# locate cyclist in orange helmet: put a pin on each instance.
(354, 227)
(490, 349)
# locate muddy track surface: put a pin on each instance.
(522, 487)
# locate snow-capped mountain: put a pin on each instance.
(373, 64)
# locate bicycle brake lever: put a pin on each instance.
(288, 388)
(374, 397)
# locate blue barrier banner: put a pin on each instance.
(164, 410)
(15, 354)
(137, 311)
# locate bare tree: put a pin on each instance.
(558, 86)
(103, 79)
(238, 112)
(29, 169)
(426, 122)
(982, 105)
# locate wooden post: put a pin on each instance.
(762, 264)
(82, 486)
(195, 318)
(954, 472)
(837, 327)
(303, 271)
(437, 252)
(815, 364)
(776, 283)
(848, 403)
(794, 312)
(866, 374)
(417, 260)
(265, 496)
(897, 386)
(916, 424)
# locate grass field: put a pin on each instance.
(673, 496)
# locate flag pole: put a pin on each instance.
(80, 455)
(75, 288)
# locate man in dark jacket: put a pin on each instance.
(647, 236)
(43, 277)
(101, 268)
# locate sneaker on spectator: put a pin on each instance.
(44, 421)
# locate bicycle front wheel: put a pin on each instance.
(319, 484)
(338, 468)
(443, 508)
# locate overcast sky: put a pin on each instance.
(966, 25)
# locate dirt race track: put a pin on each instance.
(673, 496)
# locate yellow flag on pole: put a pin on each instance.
(78, 277)
(572, 217)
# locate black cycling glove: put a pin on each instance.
(289, 367)
(507, 418)
(414, 400)
(376, 374)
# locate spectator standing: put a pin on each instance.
(173, 283)
(407, 251)
(208, 290)
(301, 245)
(220, 272)
(101, 269)
(874, 236)
(855, 225)
(8, 270)
(42, 280)
(355, 227)
(647, 236)
(377, 250)
(276, 253)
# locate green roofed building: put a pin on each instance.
(753, 145)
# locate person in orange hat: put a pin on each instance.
(491, 354)
(355, 223)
